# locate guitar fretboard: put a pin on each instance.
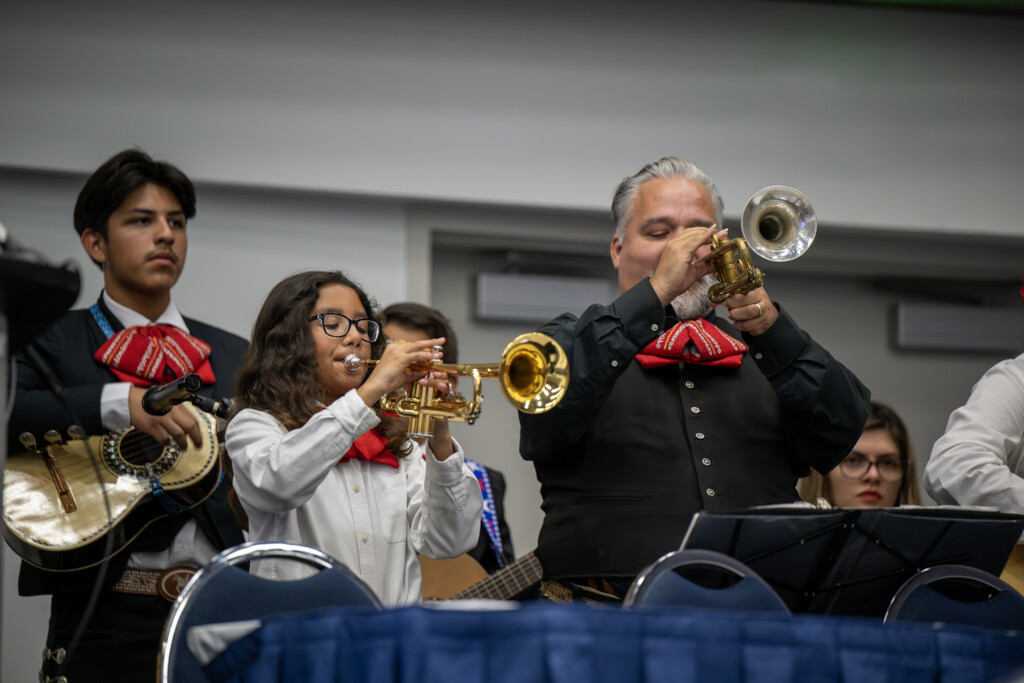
(506, 583)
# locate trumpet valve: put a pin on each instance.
(718, 249)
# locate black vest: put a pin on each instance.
(667, 443)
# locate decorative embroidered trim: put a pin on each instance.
(168, 584)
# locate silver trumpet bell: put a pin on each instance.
(778, 223)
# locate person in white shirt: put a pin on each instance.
(316, 463)
(979, 460)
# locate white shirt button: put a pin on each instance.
(690, 384)
(615, 363)
(758, 356)
(699, 435)
(706, 462)
(364, 538)
(694, 410)
(711, 492)
(356, 488)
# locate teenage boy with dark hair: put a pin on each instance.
(131, 216)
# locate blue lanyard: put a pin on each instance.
(101, 320)
(490, 513)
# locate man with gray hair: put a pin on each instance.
(670, 408)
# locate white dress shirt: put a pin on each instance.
(979, 461)
(370, 516)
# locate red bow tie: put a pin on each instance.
(693, 341)
(152, 354)
(371, 447)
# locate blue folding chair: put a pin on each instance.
(224, 592)
(705, 579)
(958, 594)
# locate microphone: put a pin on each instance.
(158, 400)
(219, 408)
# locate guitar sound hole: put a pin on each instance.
(139, 449)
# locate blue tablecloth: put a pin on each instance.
(573, 644)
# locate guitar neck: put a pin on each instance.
(506, 583)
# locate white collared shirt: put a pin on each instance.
(372, 517)
(979, 460)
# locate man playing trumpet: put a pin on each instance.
(670, 408)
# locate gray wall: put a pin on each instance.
(414, 145)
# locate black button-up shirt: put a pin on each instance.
(629, 455)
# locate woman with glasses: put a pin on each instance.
(315, 462)
(879, 471)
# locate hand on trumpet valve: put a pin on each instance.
(439, 381)
(397, 367)
(678, 266)
(753, 312)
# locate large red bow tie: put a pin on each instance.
(372, 447)
(693, 341)
(153, 354)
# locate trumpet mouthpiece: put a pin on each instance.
(352, 362)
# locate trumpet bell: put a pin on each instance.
(779, 223)
(534, 373)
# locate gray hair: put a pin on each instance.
(666, 167)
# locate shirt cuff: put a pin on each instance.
(641, 313)
(114, 411)
(779, 347)
(447, 472)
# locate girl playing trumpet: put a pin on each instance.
(314, 460)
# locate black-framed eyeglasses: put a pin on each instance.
(855, 466)
(338, 325)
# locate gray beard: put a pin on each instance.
(694, 302)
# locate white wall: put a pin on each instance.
(884, 117)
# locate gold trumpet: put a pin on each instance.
(533, 373)
(778, 224)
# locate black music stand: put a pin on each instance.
(851, 562)
(33, 295)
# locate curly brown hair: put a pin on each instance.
(278, 373)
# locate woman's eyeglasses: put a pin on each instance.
(337, 325)
(855, 466)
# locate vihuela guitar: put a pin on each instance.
(54, 512)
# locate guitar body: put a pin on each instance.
(54, 512)
(462, 578)
(442, 579)
(1013, 573)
